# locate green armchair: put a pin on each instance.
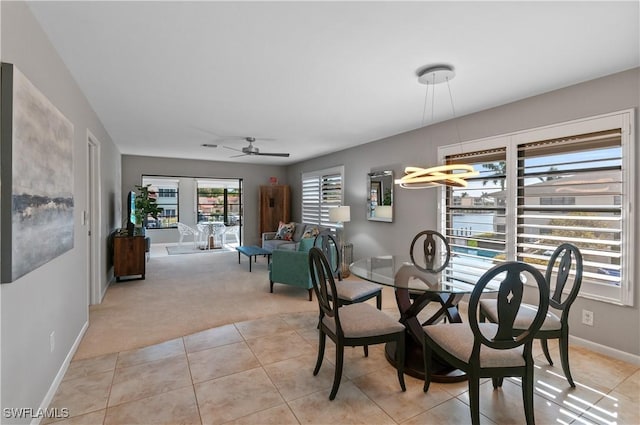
(292, 267)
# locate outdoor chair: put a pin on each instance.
(186, 231)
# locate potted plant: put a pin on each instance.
(146, 205)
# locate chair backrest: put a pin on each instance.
(324, 285)
(185, 230)
(509, 299)
(435, 247)
(567, 256)
(328, 244)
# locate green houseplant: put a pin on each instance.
(146, 205)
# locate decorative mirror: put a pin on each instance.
(380, 196)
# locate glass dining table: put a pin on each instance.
(412, 297)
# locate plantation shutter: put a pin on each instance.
(570, 190)
(475, 224)
(321, 190)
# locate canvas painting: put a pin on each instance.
(39, 142)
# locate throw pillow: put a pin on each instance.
(285, 231)
(310, 232)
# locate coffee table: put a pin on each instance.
(253, 251)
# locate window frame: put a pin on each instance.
(622, 295)
(171, 181)
(321, 214)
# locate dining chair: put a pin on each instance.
(358, 324)
(566, 261)
(186, 230)
(349, 291)
(490, 350)
(434, 247)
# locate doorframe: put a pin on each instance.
(92, 219)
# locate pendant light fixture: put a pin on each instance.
(441, 175)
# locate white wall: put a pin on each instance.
(54, 297)
(416, 210)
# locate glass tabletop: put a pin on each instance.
(382, 270)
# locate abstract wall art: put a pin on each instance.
(36, 194)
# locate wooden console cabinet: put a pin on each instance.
(275, 206)
(129, 256)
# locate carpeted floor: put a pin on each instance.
(184, 294)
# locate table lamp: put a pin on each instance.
(340, 215)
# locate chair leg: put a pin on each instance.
(527, 395)
(400, 359)
(474, 398)
(379, 300)
(497, 382)
(366, 350)
(338, 373)
(563, 342)
(271, 286)
(321, 343)
(427, 365)
(545, 350)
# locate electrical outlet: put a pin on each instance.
(587, 317)
(52, 340)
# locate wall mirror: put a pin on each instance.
(380, 196)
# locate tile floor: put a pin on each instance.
(260, 372)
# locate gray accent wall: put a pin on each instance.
(415, 210)
(254, 176)
(54, 297)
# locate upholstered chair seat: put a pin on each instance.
(363, 320)
(525, 316)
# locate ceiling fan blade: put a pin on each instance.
(286, 155)
(233, 149)
(236, 156)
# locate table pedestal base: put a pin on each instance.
(414, 363)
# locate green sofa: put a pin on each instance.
(292, 267)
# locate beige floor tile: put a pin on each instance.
(384, 389)
(173, 407)
(160, 351)
(83, 395)
(235, 396)
(451, 412)
(615, 408)
(351, 406)
(279, 415)
(631, 387)
(505, 406)
(278, 347)
(221, 361)
(80, 368)
(355, 363)
(594, 369)
(294, 377)
(92, 418)
(148, 379)
(211, 338)
(262, 327)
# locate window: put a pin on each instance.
(321, 190)
(219, 200)
(571, 182)
(165, 191)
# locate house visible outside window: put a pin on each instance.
(321, 190)
(165, 191)
(537, 189)
(219, 200)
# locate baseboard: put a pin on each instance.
(607, 351)
(61, 372)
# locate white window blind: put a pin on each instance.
(321, 190)
(570, 190)
(475, 216)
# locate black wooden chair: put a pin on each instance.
(434, 247)
(489, 350)
(349, 291)
(358, 324)
(567, 257)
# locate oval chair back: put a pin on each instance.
(434, 247)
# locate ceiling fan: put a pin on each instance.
(252, 150)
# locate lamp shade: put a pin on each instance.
(340, 214)
(384, 211)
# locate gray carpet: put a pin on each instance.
(190, 249)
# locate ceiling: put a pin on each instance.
(310, 78)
